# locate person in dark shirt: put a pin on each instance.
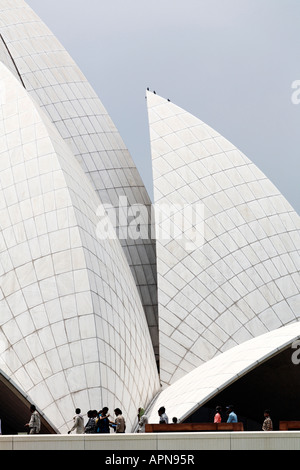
(103, 422)
(163, 418)
(90, 426)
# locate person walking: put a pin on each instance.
(218, 417)
(78, 425)
(119, 421)
(232, 417)
(103, 422)
(34, 425)
(143, 420)
(163, 418)
(268, 423)
(90, 426)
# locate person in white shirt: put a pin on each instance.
(142, 423)
(78, 425)
(34, 424)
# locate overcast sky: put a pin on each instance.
(231, 63)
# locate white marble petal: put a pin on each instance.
(192, 391)
(52, 78)
(231, 278)
(65, 310)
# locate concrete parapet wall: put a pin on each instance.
(276, 440)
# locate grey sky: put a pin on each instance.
(231, 63)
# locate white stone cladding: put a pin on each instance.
(73, 332)
(243, 280)
(205, 382)
(60, 88)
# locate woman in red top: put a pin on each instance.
(217, 417)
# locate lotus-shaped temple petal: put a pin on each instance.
(237, 275)
(73, 329)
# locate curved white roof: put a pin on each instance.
(193, 390)
(57, 84)
(73, 332)
(241, 278)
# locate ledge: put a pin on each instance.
(274, 440)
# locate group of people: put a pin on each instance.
(98, 422)
(101, 421)
(230, 413)
(232, 417)
(143, 419)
